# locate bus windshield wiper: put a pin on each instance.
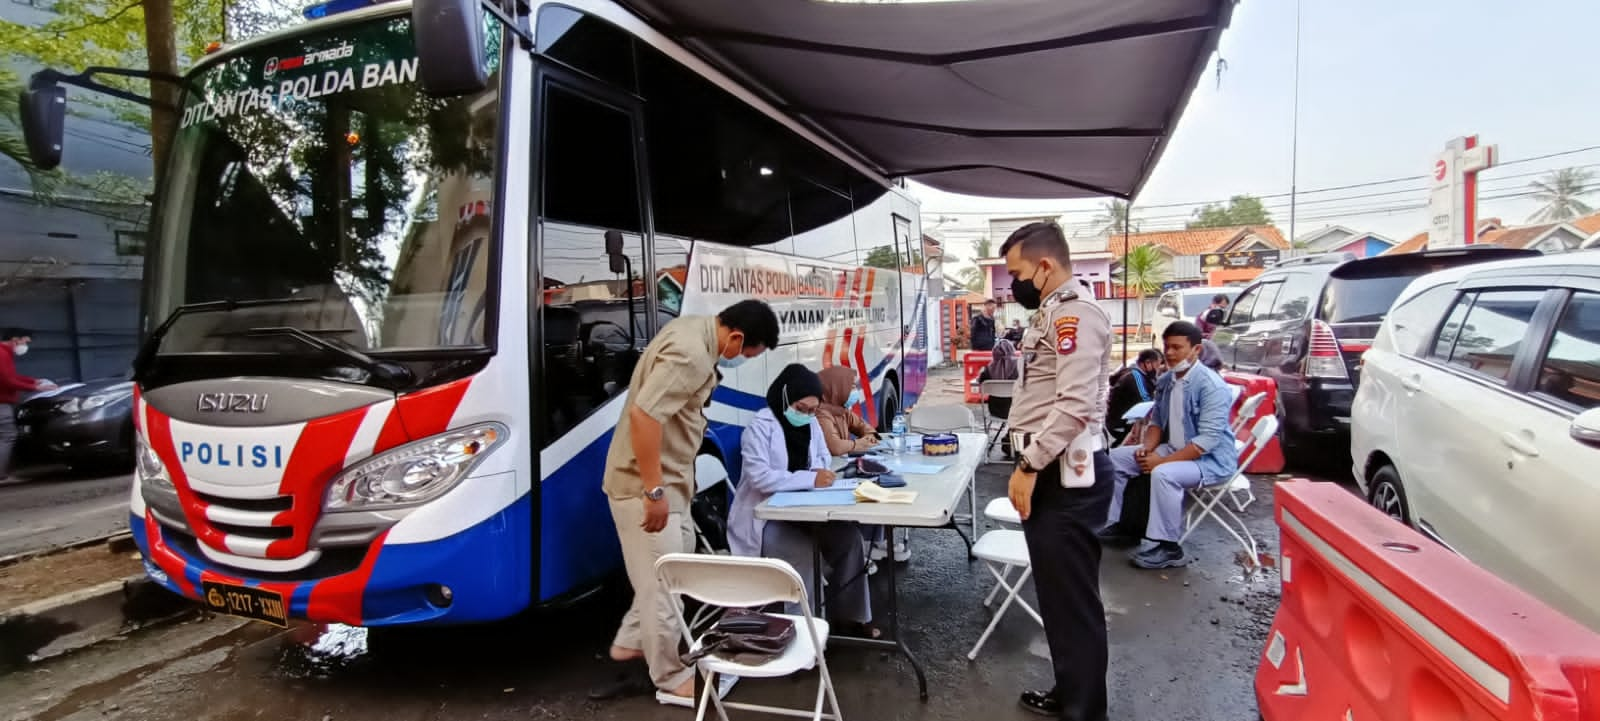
(391, 374)
(147, 350)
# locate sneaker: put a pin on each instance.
(1114, 535)
(880, 551)
(1164, 555)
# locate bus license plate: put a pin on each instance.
(246, 602)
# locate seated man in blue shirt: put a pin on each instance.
(1187, 444)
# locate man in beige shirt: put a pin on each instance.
(649, 473)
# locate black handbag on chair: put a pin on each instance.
(744, 636)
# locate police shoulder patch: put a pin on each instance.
(1066, 328)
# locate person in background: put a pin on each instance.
(1060, 400)
(649, 476)
(1210, 355)
(1014, 333)
(1211, 317)
(983, 327)
(1003, 367)
(842, 429)
(1132, 388)
(784, 449)
(1185, 445)
(13, 345)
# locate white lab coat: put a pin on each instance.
(765, 471)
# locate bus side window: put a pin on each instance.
(593, 319)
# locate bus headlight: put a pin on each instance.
(155, 484)
(414, 473)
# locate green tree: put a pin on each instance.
(1239, 210)
(1562, 192)
(884, 256)
(1114, 219)
(1144, 270)
(983, 247)
(971, 278)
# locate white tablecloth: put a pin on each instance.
(937, 494)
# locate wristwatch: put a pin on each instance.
(1024, 466)
(657, 493)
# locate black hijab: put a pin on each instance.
(795, 382)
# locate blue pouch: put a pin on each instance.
(890, 480)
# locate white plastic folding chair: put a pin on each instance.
(1208, 500)
(1002, 512)
(1242, 498)
(746, 582)
(949, 418)
(1002, 551)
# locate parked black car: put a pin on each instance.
(1305, 323)
(88, 424)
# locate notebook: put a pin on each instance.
(824, 497)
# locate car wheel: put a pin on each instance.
(1389, 495)
(888, 407)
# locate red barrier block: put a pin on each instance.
(1378, 623)
(971, 366)
(1271, 458)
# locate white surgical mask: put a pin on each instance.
(855, 397)
(732, 363)
(20, 350)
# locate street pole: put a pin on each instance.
(1127, 219)
(1294, 133)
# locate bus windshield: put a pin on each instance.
(314, 171)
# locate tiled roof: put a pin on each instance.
(1515, 237)
(1411, 245)
(1588, 224)
(1199, 240)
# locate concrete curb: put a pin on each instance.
(77, 619)
(119, 541)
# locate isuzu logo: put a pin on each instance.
(231, 402)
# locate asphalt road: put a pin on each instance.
(1185, 644)
(38, 512)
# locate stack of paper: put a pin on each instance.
(870, 492)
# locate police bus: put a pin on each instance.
(405, 256)
(394, 301)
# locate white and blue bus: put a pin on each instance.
(390, 327)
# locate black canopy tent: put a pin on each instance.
(1007, 98)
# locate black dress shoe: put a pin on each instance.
(1114, 535)
(1043, 703)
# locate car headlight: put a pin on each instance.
(416, 472)
(100, 399)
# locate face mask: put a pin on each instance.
(796, 418)
(20, 350)
(1027, 292)
(855, 397)
(737, 360)
(1183, 365)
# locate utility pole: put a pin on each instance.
(1294, 133)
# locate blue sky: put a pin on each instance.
(1383, 85)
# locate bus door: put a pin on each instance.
(592, 313)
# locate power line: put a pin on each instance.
(1331, 188)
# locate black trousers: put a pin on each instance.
(1065, 554)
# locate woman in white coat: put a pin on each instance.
(783, 449)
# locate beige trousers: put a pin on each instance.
(651, 623)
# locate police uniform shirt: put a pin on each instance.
(1063, 386)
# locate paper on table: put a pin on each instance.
(906, 467)
(870, 492)
(839, 484)
(828, 497)
(1079, 451)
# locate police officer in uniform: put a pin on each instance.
(1063, 480)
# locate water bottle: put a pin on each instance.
(898, 428)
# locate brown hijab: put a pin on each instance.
(836, 384)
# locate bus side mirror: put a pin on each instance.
(44, 112)
(619, 261)
(449, 40)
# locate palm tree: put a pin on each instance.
(971, 278)
(983, 246)
(1144, 269)
(1562, 193)
(1113, 218)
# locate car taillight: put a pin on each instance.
(1324, 359)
